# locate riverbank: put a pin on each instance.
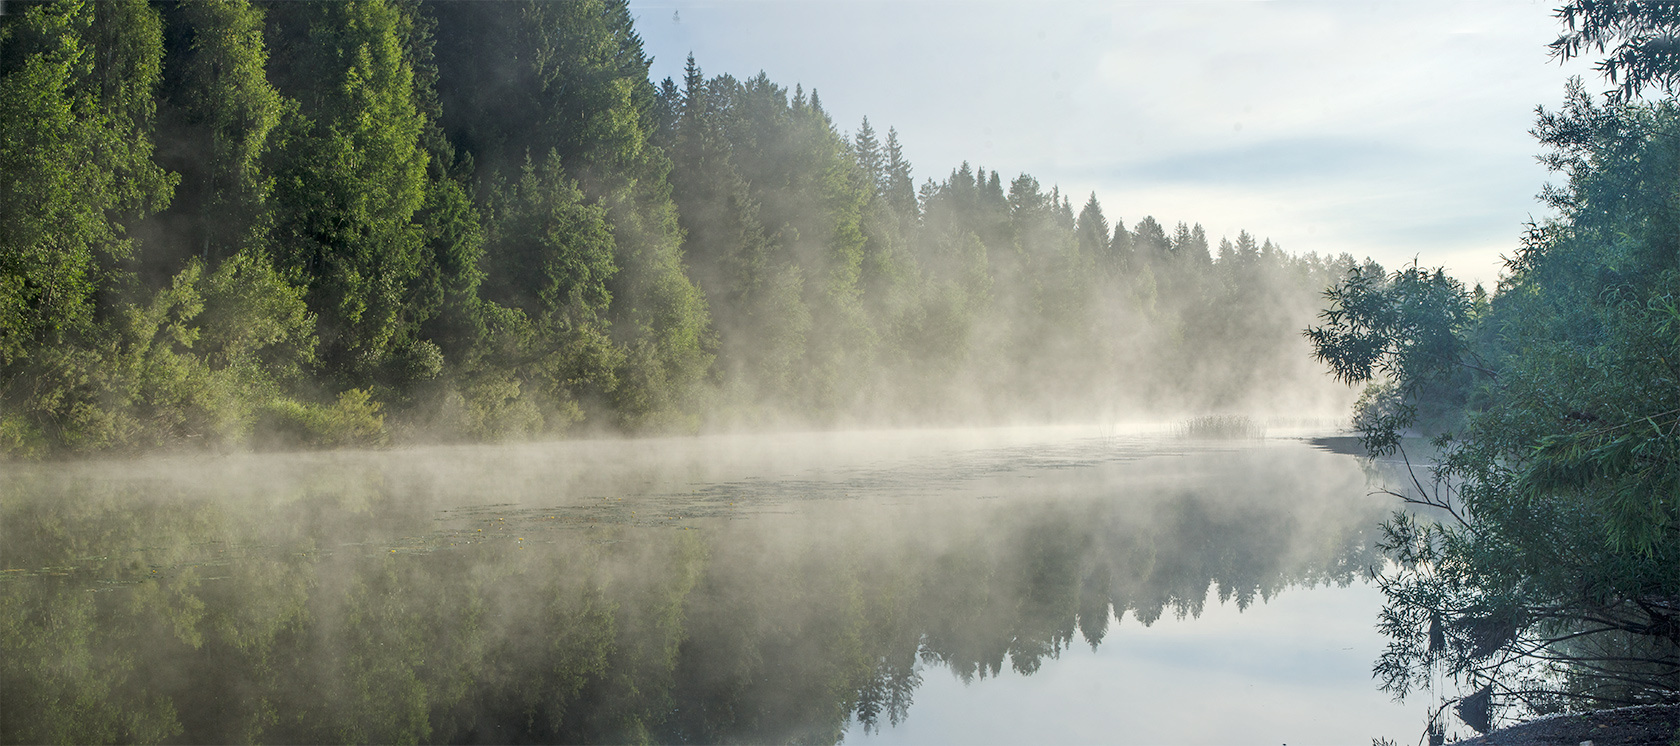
(1647, 725)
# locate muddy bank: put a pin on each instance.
(1649, 725)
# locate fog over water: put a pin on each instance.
(725, 371)
(892, 586)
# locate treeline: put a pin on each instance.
(234, 223)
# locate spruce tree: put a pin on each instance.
(1119, 255)
(526, 78)
(1092, 229)
(1195, 251)
(900, 187)
(1182, 244)
(1150, 240)
(868, 153)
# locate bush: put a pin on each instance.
(353, 420)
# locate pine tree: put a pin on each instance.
(1247, 254)
(1119, 256)
(1181, 244)
(1196, 250)
(526, 78)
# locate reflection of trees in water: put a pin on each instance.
(134, 616)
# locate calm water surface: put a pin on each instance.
(1025, 585)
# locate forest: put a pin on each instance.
(234, 225)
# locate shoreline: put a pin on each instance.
(1640, 725)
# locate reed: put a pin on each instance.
(1220, 427)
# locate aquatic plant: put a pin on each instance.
(1220, 427)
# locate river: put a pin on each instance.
(965, 586)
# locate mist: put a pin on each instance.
(393, 371)
(402, 371)
(487, 232)
(842, 291)
(740, 588)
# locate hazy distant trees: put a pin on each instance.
(970, 295)
(328, 223)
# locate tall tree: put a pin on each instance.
(1093, 229)
(900, 189)
(218, 110)
(349, 179)
(867, 150)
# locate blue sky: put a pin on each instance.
(1393, 129)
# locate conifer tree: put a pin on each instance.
(1150, 241)
(1092, 229)
(527, 78)
(868, 153)
(900, 187)
(1247, 253)
(1182, 244)
(1195, 250)
(1119, 255)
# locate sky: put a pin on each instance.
(1396, 130)
(1288, 670)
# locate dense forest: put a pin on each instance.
(1551, 581)
(236, 224)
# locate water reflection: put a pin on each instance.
(712, 590)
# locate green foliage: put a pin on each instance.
(1638, 36)
(353, 419)
(1406, 331)
(453, 273)
(551, 252)
(218, 111)
(1551, 581)
(529, 80)
(258, 320)
(350, 177)
(75, 102)
(486, 218)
